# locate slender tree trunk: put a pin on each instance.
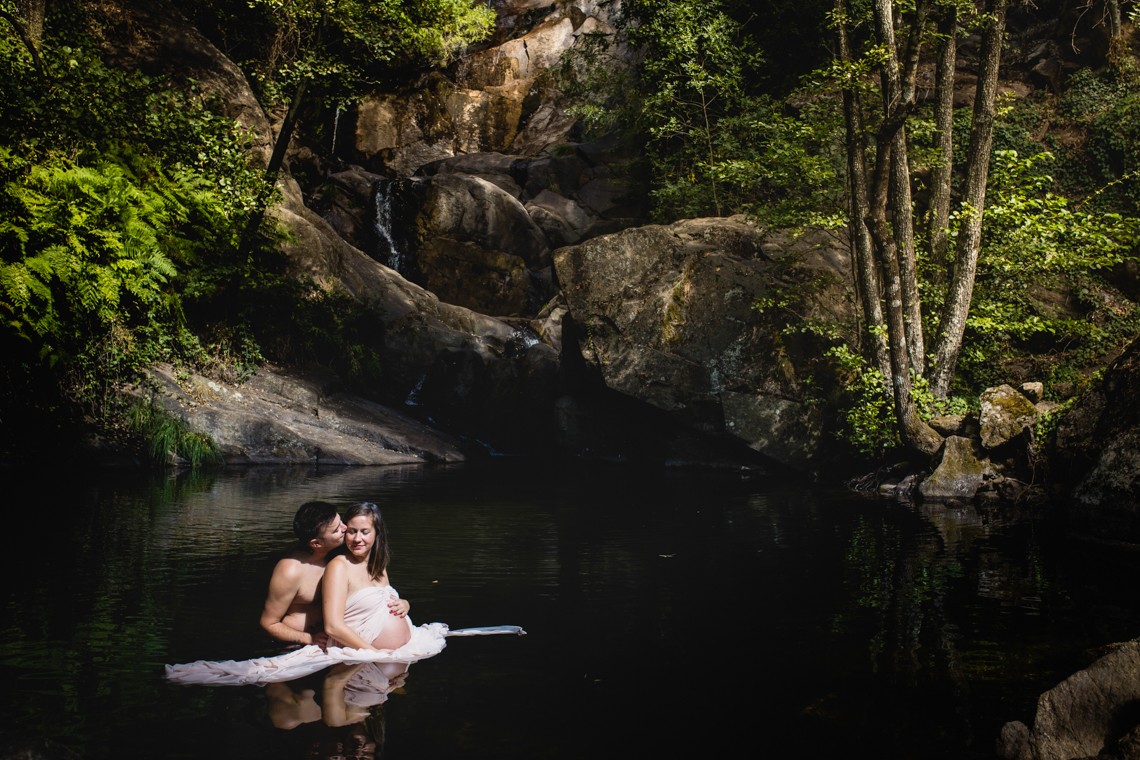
(897, 101)
(1112, 18)
(913, 430)
(712, 152)
(941, 172)
(30, 44)
(902, 219)
(867, 277)
(33, 12)
(273, 169)
(890, 189)
(953, 323)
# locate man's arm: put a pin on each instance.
(283, 587)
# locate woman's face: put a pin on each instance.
(360, 536)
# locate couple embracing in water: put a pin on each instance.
(338, 573)
(332, 596)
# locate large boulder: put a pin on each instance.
(668, 315)
(472, 243)
(1091, 714)
(1006, 414)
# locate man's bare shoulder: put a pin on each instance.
(291, 567)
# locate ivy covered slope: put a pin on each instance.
(131, 210)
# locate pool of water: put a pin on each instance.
(667, 615)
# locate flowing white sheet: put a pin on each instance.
(366, 611)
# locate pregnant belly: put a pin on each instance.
(394, 634)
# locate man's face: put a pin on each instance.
(332, 535)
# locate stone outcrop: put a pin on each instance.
(666, 315)
(498, 98)
(500, 395)
(1094, 456)
(1091, 714)
(472, 243)
(992, 456)
(279, 417)
(1006, 413)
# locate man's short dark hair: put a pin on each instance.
(311, 519)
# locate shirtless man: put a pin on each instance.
(292, 611)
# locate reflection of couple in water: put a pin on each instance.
(345, 702)
(346, 698)
(339, 605)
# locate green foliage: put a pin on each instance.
(867, 412)
(164, 436)
(116, 191)
(1114, 145)
(83, 250)
(338, 48)
(1089, 93)
(696, 60)
(598, 86)
(716, 145)
(1036, 242)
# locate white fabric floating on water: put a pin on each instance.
(427, 640)
(366, 611)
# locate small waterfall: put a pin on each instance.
(520, 340)
(413, 398)
(386, 250)
(336, 128)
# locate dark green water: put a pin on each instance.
(667, 615)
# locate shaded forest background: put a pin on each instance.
(133, 226)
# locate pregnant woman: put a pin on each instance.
(361, 609)
(365, 619)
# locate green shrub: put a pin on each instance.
(164, 436)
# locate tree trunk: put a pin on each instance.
(276, 161)
(894, 247)
(32, 12)
(31, 45)
(897, 102)
(902, 219)
(915, 433)
(867, 277)
(953, 323)
(939, 232)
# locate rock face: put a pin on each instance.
(1094, 459)
(457, 365)
(1091, 714)
(666, 315)
(497, 99)
(281, 418)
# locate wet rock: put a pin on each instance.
(958, 473)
